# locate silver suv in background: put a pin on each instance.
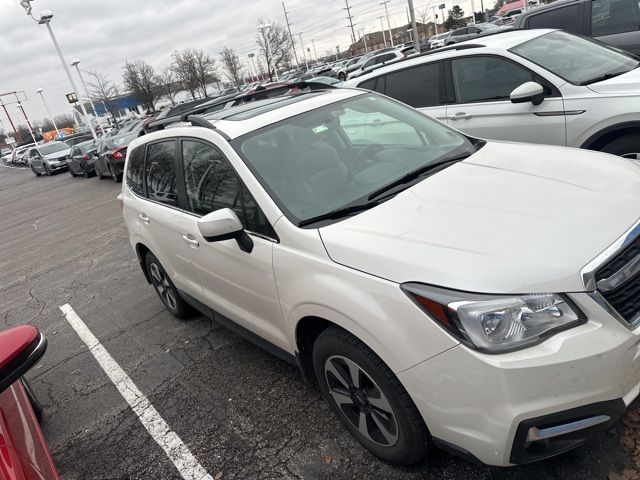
(49, 158)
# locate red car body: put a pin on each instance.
(24, 454)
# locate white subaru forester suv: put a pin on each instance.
(442, 290)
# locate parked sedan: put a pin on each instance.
(49, 158)
(110, 155)
(537, 86)
(24, 454)
(81, 159)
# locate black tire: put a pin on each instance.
(86, 174)
(71, 172)
(625, 146)
(33, 400)
(342, 76)
(409, 435)
(165, 289)
(46, 169)
(114, 175)
(37, 174)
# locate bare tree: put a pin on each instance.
(231, 66)
(195, 69)
(280, 46)
(140, 78)
(424, 17)
(103, 91)
(168, 84)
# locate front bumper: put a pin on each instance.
(490, 406)
(57, 166)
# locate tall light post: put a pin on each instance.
(386, 11)
(21, 110)
(253, 62)
(75, 63)
(40, 90)
(304, 54)
(414, 26)
(384, 38)
(265, 28)
(45, 19)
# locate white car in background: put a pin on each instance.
(442, 290)
(536, 86)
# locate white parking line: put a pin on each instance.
(177, 451)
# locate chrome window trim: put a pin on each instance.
(589, 270)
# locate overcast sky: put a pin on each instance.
(103, 34)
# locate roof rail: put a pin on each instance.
(258, 94)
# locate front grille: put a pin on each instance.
(625, 299)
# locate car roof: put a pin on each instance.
(242, 119)
(502, 40)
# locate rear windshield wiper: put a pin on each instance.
(338, 213)
(409, 177)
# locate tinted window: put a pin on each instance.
(160, 171)
(212, 183)
(462, 31)
(418, 86)
(565, 18)
(369, 84)
(614, 16)
(135, 169)
(478, 79)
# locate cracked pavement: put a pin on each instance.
(243, 413)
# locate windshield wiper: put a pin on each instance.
(604, 77)
(338, 213)
(409, 177)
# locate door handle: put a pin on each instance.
(144, 218)
(191, 241)
(460, 116)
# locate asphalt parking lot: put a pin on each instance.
(241, 412)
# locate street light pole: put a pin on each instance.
(21, 108)
(384, 38)
(76, 63)
(253, 62)
(40, 90)
(414, 26)
(386, 11)
(45, 18)
(303, 52)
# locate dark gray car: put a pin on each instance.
(615, 22)
(81, 159)
(472, 31)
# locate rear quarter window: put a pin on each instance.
(135, 170)
(565, 18)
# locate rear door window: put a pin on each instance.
(609, 17)
(417, 86)
(160, 172)
(565, 18)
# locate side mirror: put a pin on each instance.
(224, 224)
(528, 92)
(20, 349)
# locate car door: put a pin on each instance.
(481, 87)
(159, 215)
(420, 86)
(237, 284)
(74, 161)
(617, 22)
(35, 160)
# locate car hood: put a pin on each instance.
(626, 83)
(512, 218)
(57, 155)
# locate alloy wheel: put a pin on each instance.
(361, 400)
(163, 287)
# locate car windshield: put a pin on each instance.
(53, 148)
(577, 60)
(345, 153)
(121, 140)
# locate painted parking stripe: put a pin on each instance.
(168, 440)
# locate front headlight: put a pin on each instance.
(496, 323)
